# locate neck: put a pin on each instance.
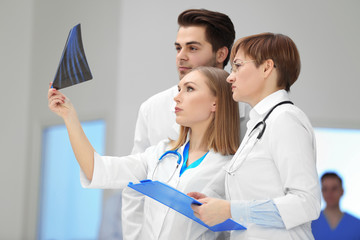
(332, 210)
(263, 95)
(196, 141)
(197, 134)
(269, 86)
(333, 216)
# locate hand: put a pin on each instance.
(59, 103)
(213, 211)
(196, 195)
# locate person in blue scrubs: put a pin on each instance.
(333, 223)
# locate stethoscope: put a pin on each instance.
(173, 153)
(230, 170)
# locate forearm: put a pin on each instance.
(82, 148)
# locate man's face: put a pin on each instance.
(332, 191)
(193, 50)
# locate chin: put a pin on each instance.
(182, 123)
(181, 75)
(236, 99)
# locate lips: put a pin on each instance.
(177, 109)
(183, 68)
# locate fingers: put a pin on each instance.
(56, 101)
(196, 209)
(53, 92)
(203, 200)
(196, 195)
(55, 98)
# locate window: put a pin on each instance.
(67, 211)
(339, 150)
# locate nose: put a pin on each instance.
(177, 98)
(231, 78)
(182, 55)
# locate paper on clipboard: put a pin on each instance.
(180, 202)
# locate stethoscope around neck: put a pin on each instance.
(173, 153)
(262, 122)
(230, 169)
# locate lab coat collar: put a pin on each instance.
(263, 107)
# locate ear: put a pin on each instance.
(221, 55)
(268, 67)
(213, 107)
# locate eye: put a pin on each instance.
(189, 89)
(235, 67)
(177, 48)
(192, 48)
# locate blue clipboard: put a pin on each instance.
(180, 202)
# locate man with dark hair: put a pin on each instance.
(333, 223)
(204, 38)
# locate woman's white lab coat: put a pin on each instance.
(160, 222)
(281, 166)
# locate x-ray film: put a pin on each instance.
(73, 67)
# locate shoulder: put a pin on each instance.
(290, 115)
(352, 218)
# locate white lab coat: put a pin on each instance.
(156, 121)
(281, 166)
(159, 222)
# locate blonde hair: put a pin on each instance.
(223, 134)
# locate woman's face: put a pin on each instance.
(195, 103)
(247, 81)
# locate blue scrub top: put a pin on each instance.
(347, 229)
(186, 156)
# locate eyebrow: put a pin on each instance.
(189, 43)
(187, 83)
(237, 59)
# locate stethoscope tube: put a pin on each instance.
(171, 152)
(262, 122)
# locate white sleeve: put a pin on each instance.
(293, 150)
(116, 172)
(141, 139)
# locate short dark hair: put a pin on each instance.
(278, 47)
(219, 29)
(331, 175)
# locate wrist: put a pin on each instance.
(227, 208)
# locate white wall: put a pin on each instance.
(33, 35)
(15, 54)
(130, 49)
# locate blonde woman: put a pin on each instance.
(209, 135)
